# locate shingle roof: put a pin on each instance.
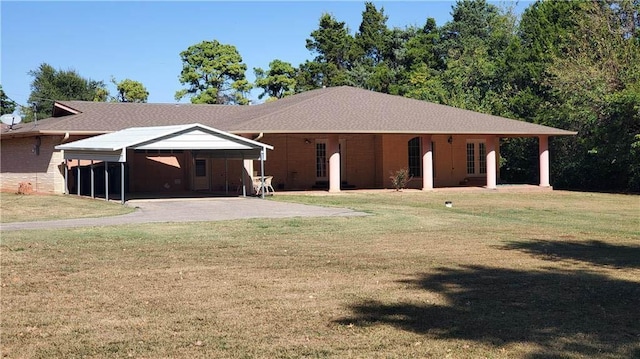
(329, 110)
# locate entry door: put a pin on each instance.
(202, 173)
(322, 160)
(476, 158)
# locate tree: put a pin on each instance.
(594, 84)
(6, 104)
(373, 35)
(130, 91)
(214, 74)
(277, 82)
(335, 51)
(51, 85)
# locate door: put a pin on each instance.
(476, 158)
(322, 161)
(202, 171)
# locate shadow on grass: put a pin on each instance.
(560, 313)
(595, 252)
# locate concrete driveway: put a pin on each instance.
(193, 210)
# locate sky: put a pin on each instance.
(142, 40)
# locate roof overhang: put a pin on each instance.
(203, 140)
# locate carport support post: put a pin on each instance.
(122, 182)
(106, 181)
(93, 185)
(262, 154)
(66, 176)
(427, 163)
(242, 178)
(491, 162)
(543, 149)
(78, 180)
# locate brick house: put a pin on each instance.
(332, 138)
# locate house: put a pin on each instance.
(332, 138)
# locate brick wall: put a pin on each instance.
(34, 161)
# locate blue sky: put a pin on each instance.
(142, 40)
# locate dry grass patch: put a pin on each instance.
(497, 276)
(40, 207)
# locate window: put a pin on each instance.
(476, 157)
(471, 158)
(201, 168)
(321, 159)
(415, 157)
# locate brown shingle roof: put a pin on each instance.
(328, 110)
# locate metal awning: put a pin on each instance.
(112, 147)
(202, 140)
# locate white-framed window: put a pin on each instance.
(321, 159)
(476, 157)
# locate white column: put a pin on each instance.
(491, 162)
(427, 163)
(334, 163)
(247, 176)
(543, 149)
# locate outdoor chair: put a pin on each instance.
(268, 187)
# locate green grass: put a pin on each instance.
(38, 207)
(498, 275)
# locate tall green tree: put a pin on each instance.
(594, 83)
(373, 36)
(373, 65)
(6, 104)
(51, 85)
(278, 81)
(335, 51)
(130, 91)
(214, 74)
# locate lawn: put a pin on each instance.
(498, 275)
(35, 207)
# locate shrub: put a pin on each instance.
(25, 188)
(400, 178)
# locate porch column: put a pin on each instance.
(247, 176)
(491, 162)
(427, 163)
(334, 163)
(543, 149)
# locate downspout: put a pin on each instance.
(259, 136)
(65, 138)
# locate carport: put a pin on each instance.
(204, 140)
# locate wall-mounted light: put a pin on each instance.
(307, 141)
(450, 139)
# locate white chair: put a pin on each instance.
(257, 185)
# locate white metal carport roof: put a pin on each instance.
(112, 147)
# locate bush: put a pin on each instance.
(400, 178)
(24, 188)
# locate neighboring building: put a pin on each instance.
(326, 138)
